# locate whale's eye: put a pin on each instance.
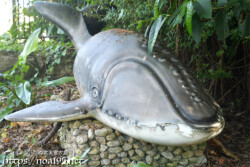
(94, 92)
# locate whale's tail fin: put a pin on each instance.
(67, 18)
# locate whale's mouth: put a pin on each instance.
(161, 133)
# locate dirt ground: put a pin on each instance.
(231, 148)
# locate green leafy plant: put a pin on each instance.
(141, 165)
(17, 89)
(59, 81)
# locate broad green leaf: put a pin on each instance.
(244, 28)
(176, 11)
(50, 29)
(147, 29)
(121, 14)
(59, 31)
(154, 33)
(31, 45)
(179, 17)
(236, 11)
(196, 28)
(139, 25)
(59, 81)
(203, 8)
(243, 4)
(23, 91)
(173, 6)
(5, 111)
(188, 18)
(221, 25)
(156, 9)
(141, 165)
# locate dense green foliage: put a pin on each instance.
(17, 89)
(210, 36)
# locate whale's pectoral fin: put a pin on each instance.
(67, 18)
(53, 111)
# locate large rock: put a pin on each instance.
(9, 59)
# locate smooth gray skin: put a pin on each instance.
(127, 89)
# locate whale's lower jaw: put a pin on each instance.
(167, 134)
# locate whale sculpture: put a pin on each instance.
(151, 98)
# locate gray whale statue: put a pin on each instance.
(151, 98)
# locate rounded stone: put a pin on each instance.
(95, 157)
(140, 153)
(115, 161)
(105, 162)
(194, 147)
(120, 165)
(168, 155)
(122, 140)
(113, 143)
(125, 160)
(157, 157)
(136, 158)
(122, 154)
(193, 159)
(83, 146)
(188, 154)
(94, 143)
(103, 148)
(77, 124)
(112, 156)
(127, 146)
(112, 136)
(155, 164)
(75, 132)
(186, 148)
(79, 152)
(131, 140)
(183, 162)
(84, 127)
(131, 153)
(137, 145)
(104, 154)
(82, 139)
(91, 134)
(149, 159)
(115, 150)
(177, 158)
(161, 148)
(198, 153)
(163, 160)
(171, 148)
(151, 152)
(177, 151)
(117, 133)
(101, 132)
(94, 163)
(101, 140)
(94, 150)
